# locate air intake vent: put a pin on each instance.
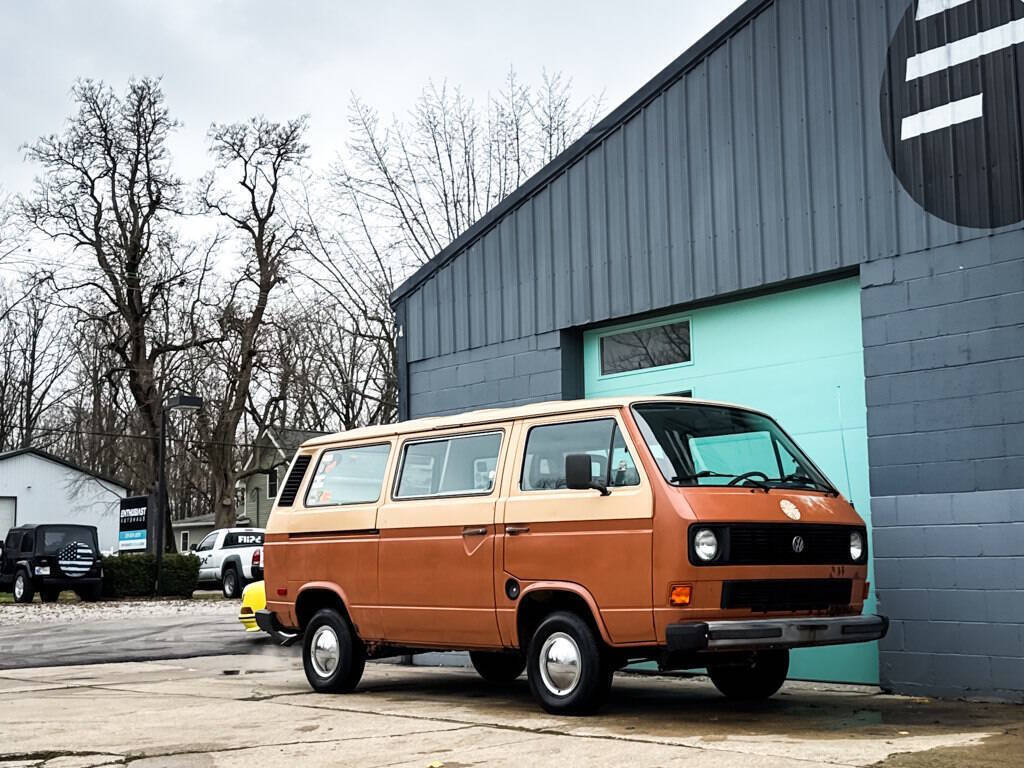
(291, 485)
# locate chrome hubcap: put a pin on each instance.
(19, 587)
(324, 651)
(560, 664)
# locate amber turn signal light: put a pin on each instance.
(681, 594)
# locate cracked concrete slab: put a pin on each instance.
(191, 713)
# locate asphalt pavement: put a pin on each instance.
(142, 638)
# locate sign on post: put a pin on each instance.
(133, 532)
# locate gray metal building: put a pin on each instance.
(828, 197)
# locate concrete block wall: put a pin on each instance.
(944, 361)
(509, 373)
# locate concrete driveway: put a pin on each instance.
(257, 710)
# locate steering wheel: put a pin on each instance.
(746, 476)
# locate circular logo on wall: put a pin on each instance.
(951, 103)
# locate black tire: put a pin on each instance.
(567, 634)
(753, 678)
(230, 583)
(498, 667)
(90, 594)
(49, 594)
(330, 627)
(24, 590)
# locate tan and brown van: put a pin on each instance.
(569, 539)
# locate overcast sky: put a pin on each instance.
(228, 60)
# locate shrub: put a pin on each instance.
(135, 575)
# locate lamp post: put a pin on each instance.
(177, 403)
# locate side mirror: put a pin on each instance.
(578, 475)
(193, 548)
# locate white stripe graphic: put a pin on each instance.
(926, 8)
(941, 117)
(966, 49)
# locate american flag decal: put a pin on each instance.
(75, 559)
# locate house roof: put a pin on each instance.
(284, 439)
(193, 522)
(38, 452)
(575, 151)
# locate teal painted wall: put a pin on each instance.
(797, 355)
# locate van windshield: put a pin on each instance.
(716, 445)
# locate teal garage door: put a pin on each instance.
(796, 355)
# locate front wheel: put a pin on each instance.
(565, 665)
(332, 655)
(23, 589)
(751, 678)
(497, 667)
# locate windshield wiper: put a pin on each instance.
(711, 473)
(805, 480)
(698, 476)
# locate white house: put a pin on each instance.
(38, 487)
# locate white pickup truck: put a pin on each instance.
(231, 558)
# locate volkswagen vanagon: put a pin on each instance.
(568, 539)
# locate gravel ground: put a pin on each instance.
(50, 613)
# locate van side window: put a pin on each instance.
(549, 444)
(349, 476)
(456, 465)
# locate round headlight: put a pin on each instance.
(705, 544)
(856, 545)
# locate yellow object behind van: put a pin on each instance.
(254, 598)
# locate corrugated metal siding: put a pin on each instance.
(761, 163)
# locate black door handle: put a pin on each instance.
(474, 531)
(515, 530)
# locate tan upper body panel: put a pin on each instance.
(498, 415)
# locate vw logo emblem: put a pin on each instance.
(798, 544)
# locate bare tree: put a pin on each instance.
(107, 190)
(260, 157)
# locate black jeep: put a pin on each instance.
(49, 559)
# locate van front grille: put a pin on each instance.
(787, 594)
(774, 544)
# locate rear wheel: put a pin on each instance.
(89, 594)
(497, 667)
(49, 595)
(332, 655)
(751, 678)
(24, 590)
(566, 667)
(230, 584)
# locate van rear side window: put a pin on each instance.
(449, 466)
(349, 476)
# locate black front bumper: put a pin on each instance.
(754, 634)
